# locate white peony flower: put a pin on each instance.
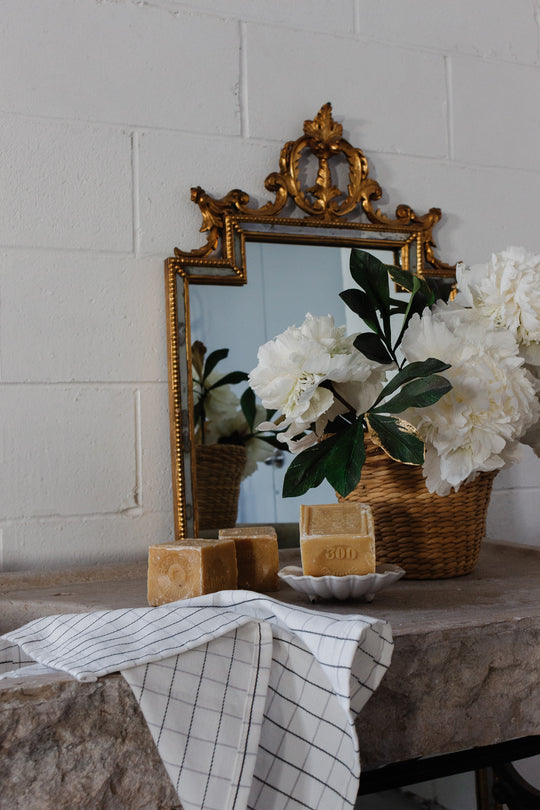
(292, 366)
(218, 403)
(235, 425)
(506, 291)
(479, 423)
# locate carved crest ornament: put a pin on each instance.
(323, 203)
(320, 211)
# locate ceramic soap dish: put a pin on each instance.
(350, 586)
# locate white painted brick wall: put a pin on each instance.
(65, 184)
(171, 163)
(390, 98)
(68, 450)
(490, 30)
(111, 111)
(126, 63)
(495, 108)
(103, 323)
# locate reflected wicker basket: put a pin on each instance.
(429, 536)
(219, 472)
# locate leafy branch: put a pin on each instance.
(340, 456)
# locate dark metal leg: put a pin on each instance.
(485, 800)
(511, 789)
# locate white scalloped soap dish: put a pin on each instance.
(350, 586)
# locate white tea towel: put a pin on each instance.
(251, 702)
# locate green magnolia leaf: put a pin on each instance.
(372, 347)
(249, 408)
(229, 379)
(213, 359)
(235, 438)
(271, 440)
(360, 303)
(372, 276)
(343, 464)
(341, 422)
(412, 283)
(402, 277)
(306, 470)
(198, 350)
(397, 438)
(415, 307)
(198, 413)
(420, 368)
(418, 393)
(416, 303)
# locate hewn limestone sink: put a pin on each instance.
(27, 595)
(465, 672)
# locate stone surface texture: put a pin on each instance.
(464, 673)
(67, 745)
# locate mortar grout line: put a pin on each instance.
(80, 383)
(535, 6)
(135, 186)
(356, 17)
(129, 513)
(449, 106)
(137, 494)
(243, 97)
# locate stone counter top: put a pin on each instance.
(465, 672)
(502, 587)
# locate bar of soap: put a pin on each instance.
(337, 539)
(257, 556)
(191, 567)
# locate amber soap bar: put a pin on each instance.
(337, 539)
(189, 568)
(257, 556)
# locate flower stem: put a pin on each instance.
(329, 385)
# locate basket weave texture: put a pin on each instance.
(219, 472)
(429, 536)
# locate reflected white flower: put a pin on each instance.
(479, 423)
(292, 367)
(506, 291)
(235, 426)
(219, 402)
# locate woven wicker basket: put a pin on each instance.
(219, 472)
(429, 536)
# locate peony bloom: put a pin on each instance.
(292, 366)
(477, 426)
(234, 426)
(506, 292)
(219, 402)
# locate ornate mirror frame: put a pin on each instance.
(320, 214)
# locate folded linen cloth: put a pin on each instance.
(251, 702)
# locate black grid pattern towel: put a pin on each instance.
(251, 702)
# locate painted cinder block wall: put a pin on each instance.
(110, 110)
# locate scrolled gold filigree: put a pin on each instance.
(323, 200)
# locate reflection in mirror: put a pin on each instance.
(284, 283)
(208, 298)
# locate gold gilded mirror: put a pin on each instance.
(323, 198)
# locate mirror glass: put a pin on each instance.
(285, 281)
